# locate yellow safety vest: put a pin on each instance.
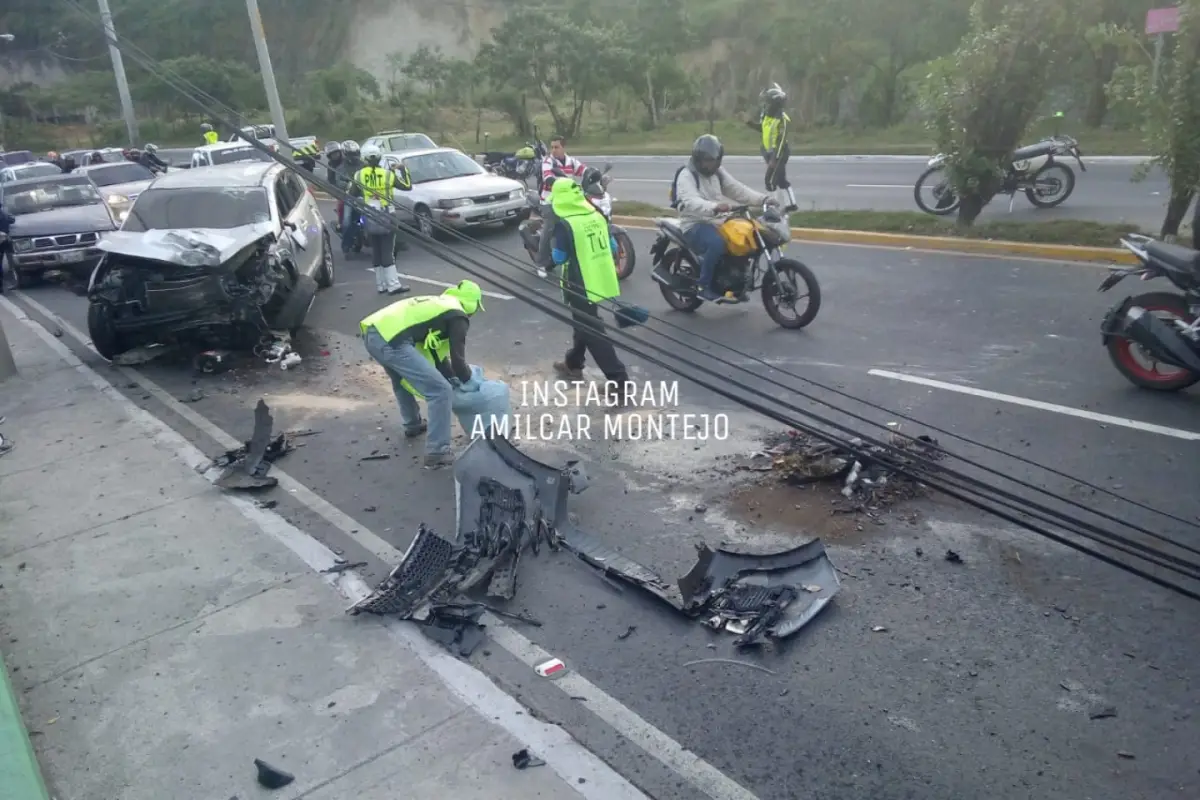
(393, 320)
(377, 182)
(774, 133)
(211, 137)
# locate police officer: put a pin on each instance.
(421, 344)
(210, 136)
(351, 164)
(376, 186)
(583, 246)
(775, 150)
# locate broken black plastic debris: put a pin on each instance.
(246, 467)
(953, 557)
(212, 362)
(628, 632)
(523, 760)
(272, 777)
(343, 566)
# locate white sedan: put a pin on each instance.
(451, 189)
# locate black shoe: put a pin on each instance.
(412, 433)
(401, 289)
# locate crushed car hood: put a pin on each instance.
(194, 247)
(70, 219)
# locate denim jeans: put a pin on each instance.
(709, 246)
(401, 360)
(349, 216)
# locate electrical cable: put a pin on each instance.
(490, 274)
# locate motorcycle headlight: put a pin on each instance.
(516, 194)
(22, 245)
(455, 203)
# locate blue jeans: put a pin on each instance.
(349, 221)
(401, 360)
(704, 239)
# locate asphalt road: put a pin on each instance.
(983, 679)
(1105, 193)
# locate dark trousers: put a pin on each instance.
(777, 175)
(588, 337)
(383, 250)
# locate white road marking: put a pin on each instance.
(879, 186)
(444, 285)
(564, 754)
(1106, 419)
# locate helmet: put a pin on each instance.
(204, 126)
(333, 147)
(372, 154)
(350, 147)
(707, 155)
(151, 148)
(591, 176)
(773, 97)
(468, 294)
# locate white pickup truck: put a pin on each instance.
(266, 135)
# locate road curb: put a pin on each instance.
(1055, 252)
(19, 768)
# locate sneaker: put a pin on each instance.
(541, 273)
(565, 373)
(438, 460)
(416, 430)
(399, 288)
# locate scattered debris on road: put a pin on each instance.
(343, 565)
(1107, 712)
(953, 557)
(246, 467)
(550, 669)
(377, 456)
(6, 445)
(523, 760)
(213, 362)
(143, 355)
(732, 661)
(1125, 754)
(628, 632)
(272, 777)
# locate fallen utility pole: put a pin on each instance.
(110, 36)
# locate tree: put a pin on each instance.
(1170, 111)
(984, 97)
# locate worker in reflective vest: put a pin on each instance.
(377, 186)
(210, 136)
(421, 344)
(775, 149)
(583, 247)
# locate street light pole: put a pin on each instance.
(110, 35)
(268, 74)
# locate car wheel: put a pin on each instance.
(425, 223)
(105, 338)
(325, 274)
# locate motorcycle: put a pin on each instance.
(1034, 170)
(522, 165)
(597, 194)
(765, 268)
(1156, 329)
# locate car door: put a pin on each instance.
(306, 249)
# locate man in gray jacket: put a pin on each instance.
(704, 194)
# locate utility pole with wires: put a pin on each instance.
(268, 74)
(110, 36)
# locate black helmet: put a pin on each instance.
(773, 97)
(707, 154)
(591, 176)
(204, 126)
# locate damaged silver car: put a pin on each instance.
(222, 257)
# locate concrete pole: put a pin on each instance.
(1158, 54)
(8, 367)
(110, 35)
(268, 74)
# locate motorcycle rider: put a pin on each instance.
(556, 163)
(376, 186)
(775, 150)
(150, 160)
(702, 194)
(210, 136)
(347, 216)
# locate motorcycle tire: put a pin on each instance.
(1121, 349)
(1068, 180)
(674, 263)
(798, 274)
(921, 204)
(624, 248)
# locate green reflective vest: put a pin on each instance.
(594, 253)
(377, 182)
(774, 133)
(393, 320)
(211, 137)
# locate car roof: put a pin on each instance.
(426, 151)
(224, 145)
(30, 165)
(224, 176)
(65, 177)
(105, 164)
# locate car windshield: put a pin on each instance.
(35, 171)
(120, 173)
(201, 207)
(441, 166)
(410, 141)
(34, 197)
(229, 155)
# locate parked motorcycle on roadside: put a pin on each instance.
(1147, 331)
(523, 165)
(1034, 170)
(596, 191)
(784, 282)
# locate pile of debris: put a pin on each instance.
(509, 503)
(245, 468)
(867, 475)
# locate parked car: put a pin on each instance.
(266, 135)
(451, 188)
(224, 256)
(176, 156)
(60, 219)
(32, 169)
(108, 155)
(210, 155)
(119, 183)
(14, 157)
(400, 142)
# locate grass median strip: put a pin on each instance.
(1075, 232)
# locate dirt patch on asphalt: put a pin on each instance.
(810, 512)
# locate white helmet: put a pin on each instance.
(372, 154)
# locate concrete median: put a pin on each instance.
(20, 774)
